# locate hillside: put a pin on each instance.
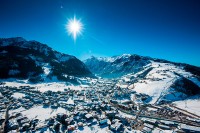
(32, 60)
(162, 80)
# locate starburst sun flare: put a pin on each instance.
(74, 27)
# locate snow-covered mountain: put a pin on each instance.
(116, 66)
(160, 79)
(34, 61)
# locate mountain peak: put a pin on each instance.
(10, 41)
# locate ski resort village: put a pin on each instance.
(99, 66)
(44, 91)
(103, 106)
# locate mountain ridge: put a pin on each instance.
(190, 68)
(36, 61)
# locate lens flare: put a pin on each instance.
(74, 27)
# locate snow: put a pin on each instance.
(46, 68)
(18, 95)
(112, 59)
(62, 57)
(106, 59)
(70, 101)
(40, 113)
(92, 129)
(157, 130)
(191, 105)
(42, 87)
(158, 81)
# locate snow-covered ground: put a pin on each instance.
(70, 101)
(42, 87)
(158, 80)
(191, 105)
(18, 95)
(93, 129)
(46, 68)
(40, 112)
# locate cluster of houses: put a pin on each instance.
(102, 105)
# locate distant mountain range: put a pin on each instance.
(117, 66)
(37, 62)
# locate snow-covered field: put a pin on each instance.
(92, 129)
(40, 112)
(191, 105)
(158, 81)
(42, 87)
(18, 95)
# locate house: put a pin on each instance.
(164, 127)
(51, 122)
(61, 117)
(55, 105)
(24, 121)
(188, 129)
(46, 103)
(80, 124)
(88, 116)
(151, 121)
(147, 130)
(57, 126)
(122, 119)
(37, 100)
(117, 127)
(111, 113)
(103, 122)
(71, 127)
(13, 125)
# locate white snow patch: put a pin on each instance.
(191, 105)
(18, 95)
(157, 81)
(70, 101)
(62, 57)
(42, 87)
(41, 113)
(46, 68)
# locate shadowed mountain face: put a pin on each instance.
(37, 62)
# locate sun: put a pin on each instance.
(74, 27)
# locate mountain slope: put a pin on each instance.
(162, 80)
(116, 66)
(32, 60)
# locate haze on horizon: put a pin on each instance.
(167, 29)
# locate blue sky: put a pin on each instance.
(167, 29)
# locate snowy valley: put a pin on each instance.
(42, 90)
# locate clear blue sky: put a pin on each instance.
(167, 29)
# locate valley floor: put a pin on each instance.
(98, 107)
